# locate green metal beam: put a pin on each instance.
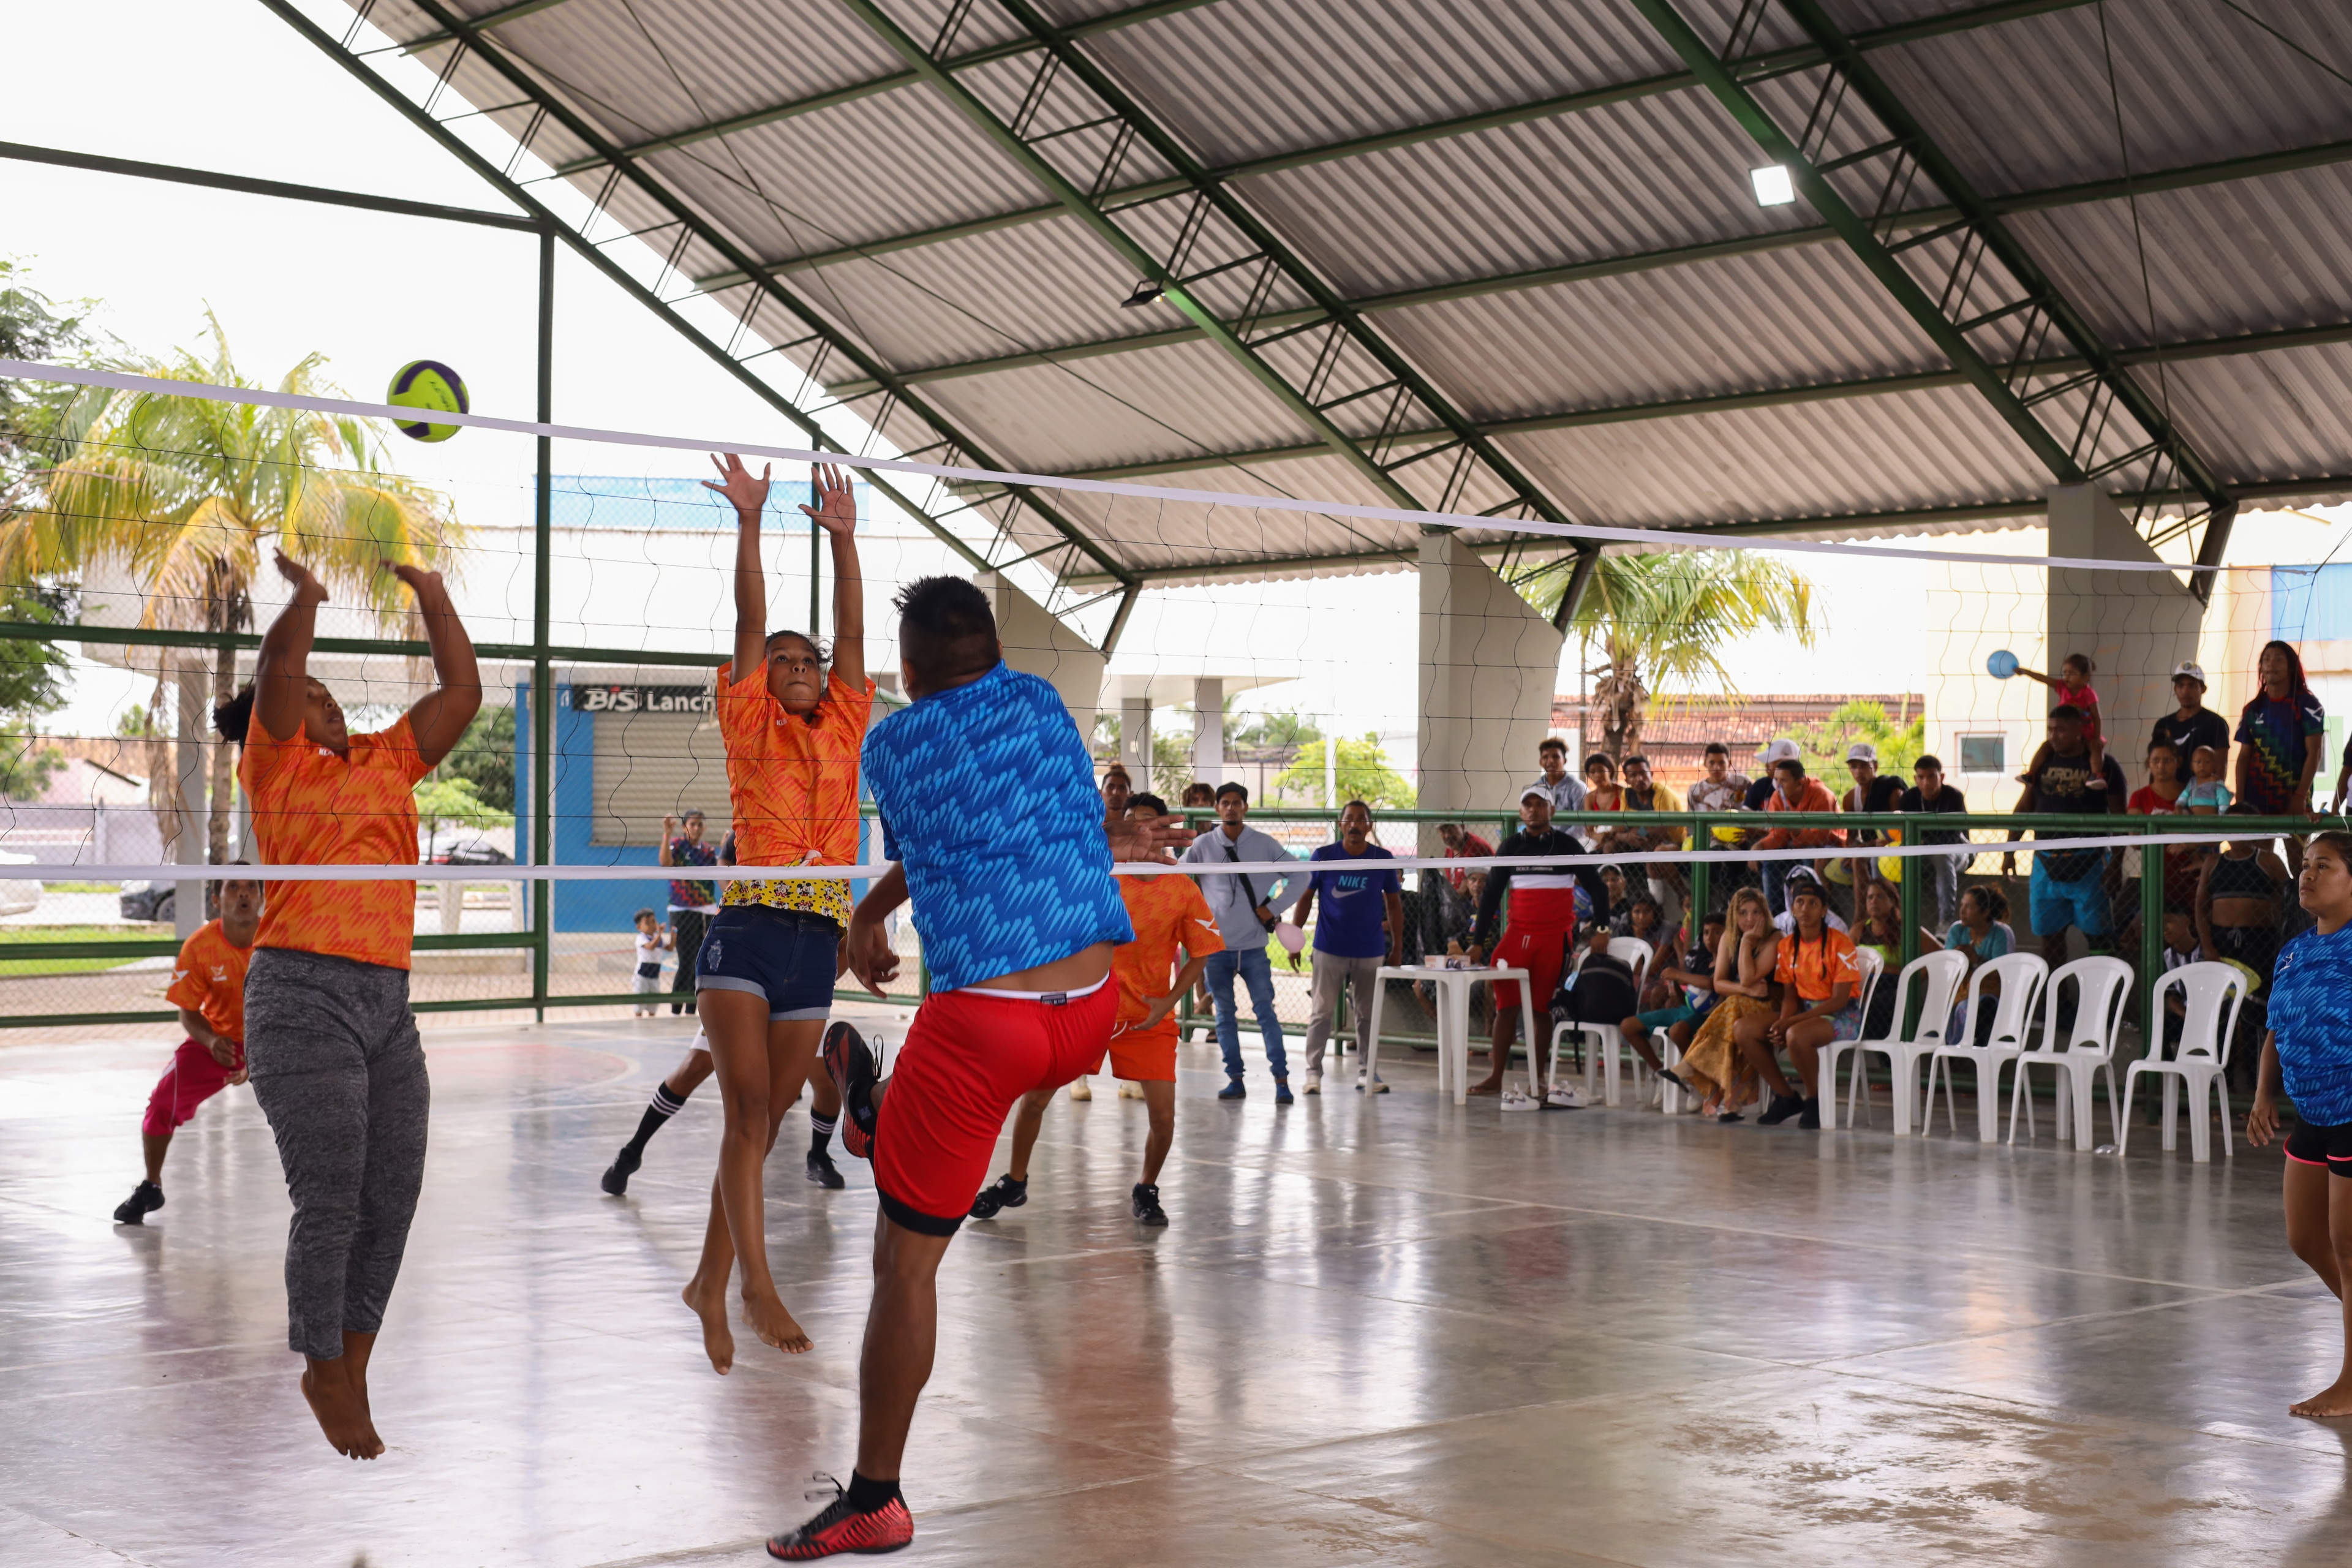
(700, 228)
(1773, 62)
(851, 92)
(2153, 418)
(209, 179)
(2089, 191)
(1666, 408)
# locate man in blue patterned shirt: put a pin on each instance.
(1018, 914)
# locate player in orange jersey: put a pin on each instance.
(764, 978)
(1168, 914)
(208, 988)
(330, 1043)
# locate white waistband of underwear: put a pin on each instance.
(1039, 995)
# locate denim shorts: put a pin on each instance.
(786, 956)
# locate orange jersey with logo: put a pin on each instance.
(1167, 913)
(793, 786)
(311, 807)
(209, 979)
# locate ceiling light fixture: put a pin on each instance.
(1773, 186)
(1146, 293)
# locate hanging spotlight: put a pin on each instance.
(1146, 293)
(1773, 186)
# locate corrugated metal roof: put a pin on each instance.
(2018, 105)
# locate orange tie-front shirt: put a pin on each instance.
(1167, 913)
(311, 807)
(209, 979)
(794, 787)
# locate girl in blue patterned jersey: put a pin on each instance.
(2309, 1047)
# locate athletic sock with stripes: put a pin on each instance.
(664, 1106)
(821, 1132)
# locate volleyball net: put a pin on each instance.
(1271, 639)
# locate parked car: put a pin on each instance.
(18, 895)
(150, 901)
(479, 853)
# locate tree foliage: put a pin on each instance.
(453, 803)
(1362, 773)
(32, 326)
(484, 757)
(1824, 745)
(1668, 619)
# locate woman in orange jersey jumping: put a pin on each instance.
(330, 1043)
(764, 978)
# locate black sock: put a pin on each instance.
(664, 1106)
(867, 1495)
(820, 1133)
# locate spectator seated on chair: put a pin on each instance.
(1679, 998)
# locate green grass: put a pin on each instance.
(83, 887)
(22, 966)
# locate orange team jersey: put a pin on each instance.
(1167, 913)
(209, 978)
(311, 807)
(1818, 967)
(793, 783)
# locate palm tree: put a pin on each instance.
(189, 495)
(1668, 617)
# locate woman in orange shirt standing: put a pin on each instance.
(764, 978)
(329, 1044)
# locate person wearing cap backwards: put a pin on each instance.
(1543, 914)
(1872, 790)
(2195, 724)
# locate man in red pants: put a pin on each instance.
(1543, 911)
(208, 987)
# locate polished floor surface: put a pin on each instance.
(1389, 1332)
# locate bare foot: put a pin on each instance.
(342, 1411)
(774, 1325)
(1490, 1086)
(2332, 1401)
(718, 1339)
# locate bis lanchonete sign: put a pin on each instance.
(644, 700)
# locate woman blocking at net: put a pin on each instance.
(330, 1043)
(764, 978)
(2308, 1052)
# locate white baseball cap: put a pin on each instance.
(1862, 752)
(1780, 750)
(2190, 669)
(1535, 792)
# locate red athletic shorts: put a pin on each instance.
(191, 1078)
(968, 1056)
(1541, 922)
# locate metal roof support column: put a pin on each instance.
(2037, 307)
(467, 36)
(1400, 386)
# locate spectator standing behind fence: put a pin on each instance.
(2278, 738)
(691, 904)
(1246, 906)
(1664, 878)
(2205, 794)
(1554, 779)
(1768, 757)
(2072, 686)
(2165, 795)
(1793, 792)
(1460, 899)
(1362, 926)
(1872, 790)
(1929, 793)
(2193, 725)
(652, 942)
(2069, 886)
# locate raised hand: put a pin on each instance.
(1134, 839)
(736, 483)
(836, 508)
(421, 583)
(306, 587)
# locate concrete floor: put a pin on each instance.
(1390, 1332)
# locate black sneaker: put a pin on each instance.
(144, 1199)
(823, 1172)
(1147, 1204)
(1784, 1106)
(1007, 1194)
(615, 1179)
(853, 1071)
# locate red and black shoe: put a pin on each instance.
(854, 1072)
(841, 1528)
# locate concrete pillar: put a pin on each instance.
(1489, 661)
(1135, 739)
(188, 767)
(1038, 644)
(1209, 729)
(2135, 625)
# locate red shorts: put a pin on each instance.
(191, 1078)
(968, 1056)
(1146, 1058)
(1539, 950)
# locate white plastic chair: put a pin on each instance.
(1940, 975)
(2198, 1060)
(2102, 985)
(1602, 1043)
(2021, 976)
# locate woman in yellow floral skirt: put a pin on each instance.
(1715, 1067)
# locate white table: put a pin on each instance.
(1452, 1019)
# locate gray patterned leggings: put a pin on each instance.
(338, 1071)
